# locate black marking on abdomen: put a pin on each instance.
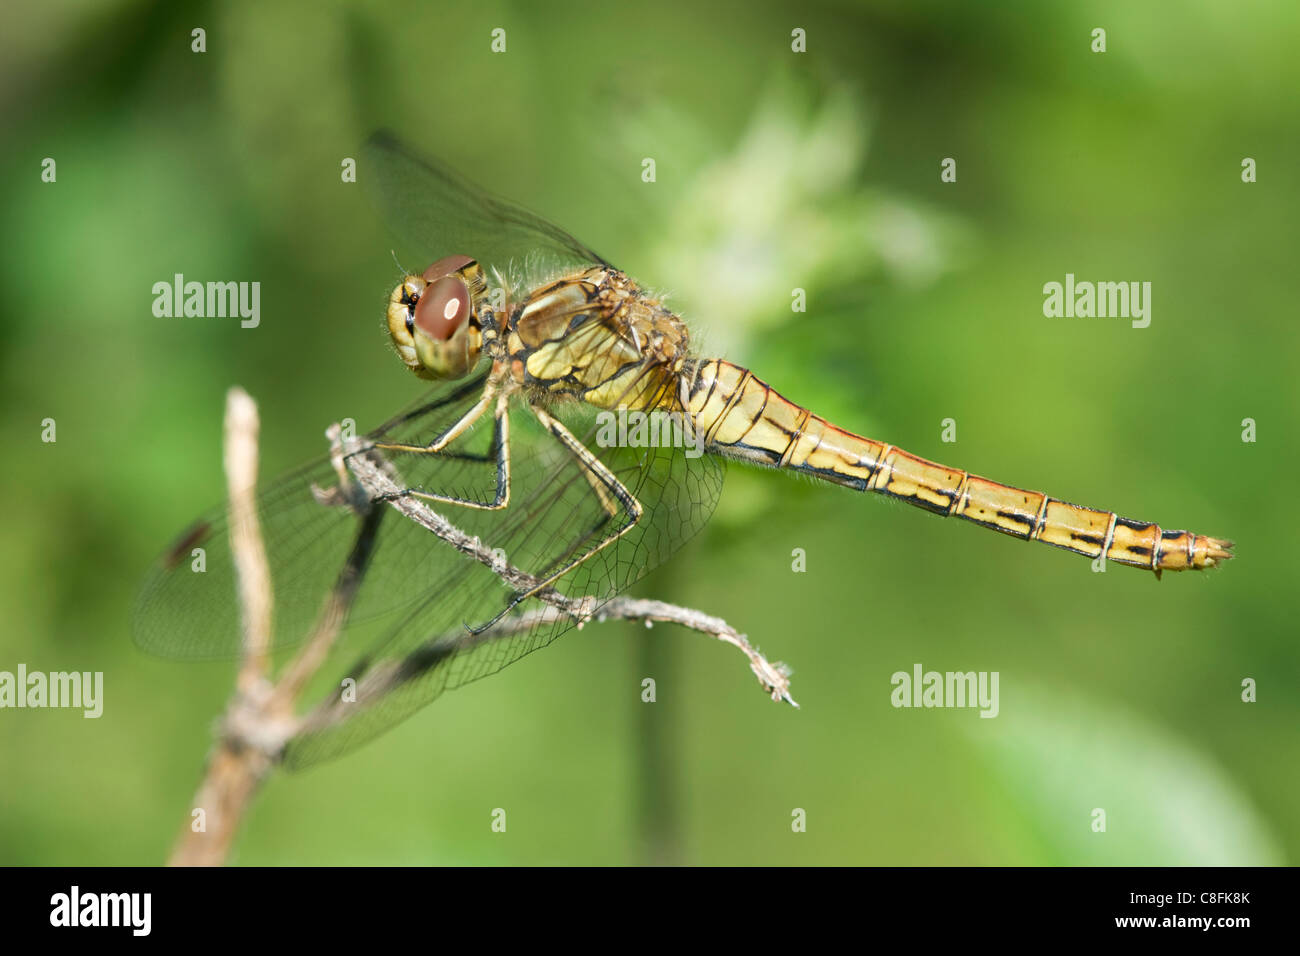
(750, 451)
(917, 501)
(833, 476)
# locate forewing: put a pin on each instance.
(188, 606)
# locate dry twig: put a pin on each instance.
(259, 720)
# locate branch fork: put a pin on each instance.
(260, 718)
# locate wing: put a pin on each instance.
(405, 639)
(187, 607)
(443, 214)
(556, 516)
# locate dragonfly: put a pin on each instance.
(533, 342)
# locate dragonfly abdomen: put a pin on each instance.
(743, 417)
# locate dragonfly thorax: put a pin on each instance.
(597, 336)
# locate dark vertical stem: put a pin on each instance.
(657, 744)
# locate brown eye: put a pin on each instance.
(445, 267)
(443, 308)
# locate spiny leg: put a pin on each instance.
(490, 389)
(501, 442)
(620, 403)
(596, 473)
(443, 401)
(608, 503)
(500, 445)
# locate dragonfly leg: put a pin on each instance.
(490, 390)
(469, 388)
(609, 489)
(608, 502)
(500, 441)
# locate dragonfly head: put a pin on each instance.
(433, 318)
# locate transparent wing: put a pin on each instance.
(405, 638)
(443, 214)
(554, 515)
(187, 606)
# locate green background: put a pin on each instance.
(775, 170)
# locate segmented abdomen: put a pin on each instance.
(743, 417)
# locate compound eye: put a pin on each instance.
(443, 308)
(445, 267)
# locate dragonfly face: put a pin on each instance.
(436, 319)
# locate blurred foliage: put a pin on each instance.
(774, 170)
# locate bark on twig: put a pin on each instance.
(251, 567)
(235, 769)
(260, 720)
